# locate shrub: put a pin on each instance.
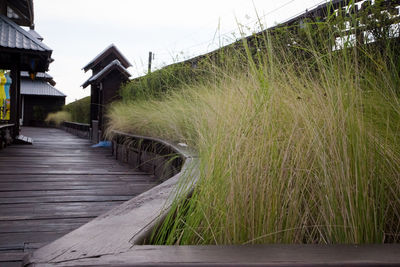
(57, 118)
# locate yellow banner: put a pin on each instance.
(5, 82)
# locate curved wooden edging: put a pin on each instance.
(118, 230)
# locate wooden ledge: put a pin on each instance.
(256, 255)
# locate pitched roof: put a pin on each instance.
(36, 87)
(13, 36)
(114, 65)
(109, 50)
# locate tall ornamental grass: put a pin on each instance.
(57, 118)
(297, 143)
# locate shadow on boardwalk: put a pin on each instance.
(54, 186)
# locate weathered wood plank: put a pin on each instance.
(70, 170)
(41, 225)
(55, 208)
(83, 192)
(81, 215)
(81, 178)
(257, 255)
(78, 212)
(70, 186)
(62, 199)
(15, 239)
(11, 264)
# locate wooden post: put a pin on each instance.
(94, 102)
(150, 59)
(19, 104)
(100, 110)
(13, 95)
(15, 98)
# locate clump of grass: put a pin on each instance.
(57, 118)
(300, 147)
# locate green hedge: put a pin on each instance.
(79, 110)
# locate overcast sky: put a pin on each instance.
(77, 30)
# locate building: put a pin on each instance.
(39, 97)
(19, 51)
(109, 72)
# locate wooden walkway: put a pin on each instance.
(54, 186)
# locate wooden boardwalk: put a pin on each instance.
(54, 186)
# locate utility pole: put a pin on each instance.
(150, 59)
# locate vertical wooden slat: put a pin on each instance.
(3, 7)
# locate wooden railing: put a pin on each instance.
(78, 129)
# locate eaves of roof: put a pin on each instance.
(29, 87)
(40, 75)
(44, 76)
(114, 65)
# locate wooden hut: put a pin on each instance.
(39, 97)
(19, 51)
(109, 71)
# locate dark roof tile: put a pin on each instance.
(29, 87)
(13, 36)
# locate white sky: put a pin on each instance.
(77, 30)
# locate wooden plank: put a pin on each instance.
(67, 215)
(70, 183)
(83, 192)
(62, 199)
(82, 178)
(19, 239)
(11, 257)
(77, 189)
(12, 264)
(67, 186)
(256, 255)
(49, 170)
(41, 225)
(61, 211)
